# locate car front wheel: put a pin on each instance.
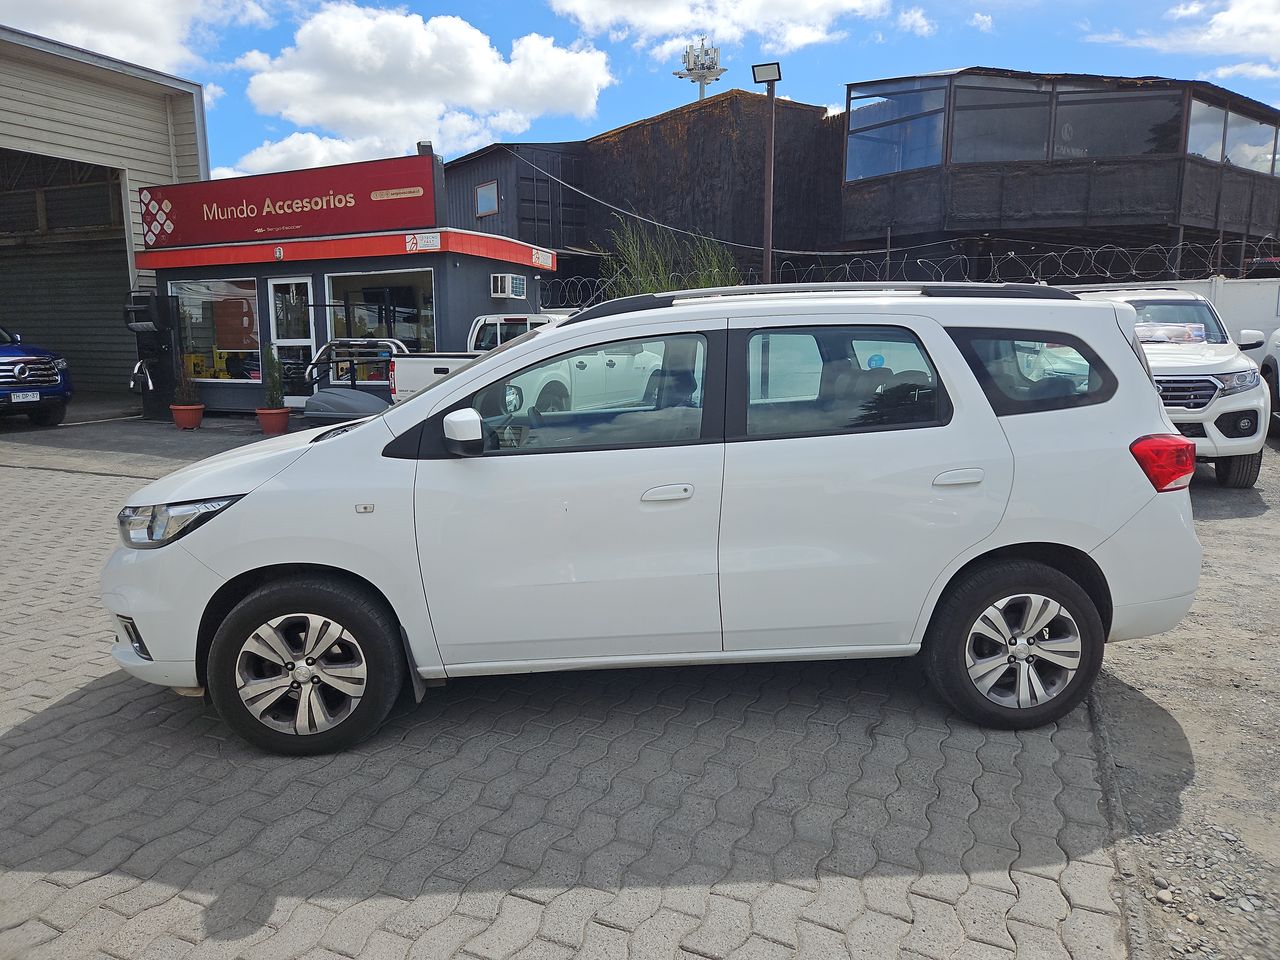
(306, 666)
(1016, 644)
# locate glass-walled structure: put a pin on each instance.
(913, 123)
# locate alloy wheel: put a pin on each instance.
(301, 674)
(1023, 650)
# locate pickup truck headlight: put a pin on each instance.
(1238, 381)
(150, 527)
(59, 363)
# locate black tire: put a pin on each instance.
(365, 617)
(554, 398)
(49, 416)
(1273, 421)
(947, 639)
(1238, 472)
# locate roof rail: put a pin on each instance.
(1131, 288)
(655, 301)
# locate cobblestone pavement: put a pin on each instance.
(813, 810)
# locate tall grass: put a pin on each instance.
(644, 259)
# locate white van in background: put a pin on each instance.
(1212, 392)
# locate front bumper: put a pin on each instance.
(49, 397)
(1203, 428)
(164, 593)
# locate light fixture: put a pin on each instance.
(766, 72)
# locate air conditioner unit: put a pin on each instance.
(506, 286)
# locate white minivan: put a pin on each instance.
(982, 474)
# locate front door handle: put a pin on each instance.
(671, 491)
(959, 478)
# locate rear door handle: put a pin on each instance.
(671, 491)
(959, 478)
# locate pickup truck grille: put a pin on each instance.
(1187, 393)
(35, 372)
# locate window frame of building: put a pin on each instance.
(184, 332)
(1113, 95)
(1226, 143)
(481, 213)
(1191, 122)
(886, 91)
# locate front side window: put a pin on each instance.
(628, 393)
(218, 320)
(1026, 371)
(821, 380)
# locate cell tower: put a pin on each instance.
(701, 66)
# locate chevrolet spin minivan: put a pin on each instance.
(980, 474)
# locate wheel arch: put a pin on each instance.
(1072, 562)
(241, 585)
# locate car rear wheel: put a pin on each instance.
(1238, 472)
(49, 416)
(306, 666)
(1016, 644)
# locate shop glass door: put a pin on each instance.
(291, 336)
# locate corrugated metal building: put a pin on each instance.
(79, 134)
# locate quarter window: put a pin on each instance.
(1026, 371)
(822, 380)
(622, 394)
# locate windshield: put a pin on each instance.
(5, 337)
(1177, 321)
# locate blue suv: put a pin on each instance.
(32, 381)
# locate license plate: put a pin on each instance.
(29, 397)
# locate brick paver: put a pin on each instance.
(812, 810)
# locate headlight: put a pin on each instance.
(148, 527)
(1238, 381)
(59, 363)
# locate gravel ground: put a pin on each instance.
(1192, 717)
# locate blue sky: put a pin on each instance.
(294, 83)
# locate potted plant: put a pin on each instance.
(273, 415)
(187, 410)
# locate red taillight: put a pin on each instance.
(391, 376)
(1167, 459)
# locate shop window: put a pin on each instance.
(218, 321)
(1204, 139)
(487, 199)
(1251, 144)
(384, 306)
(893, 129)
(1117, 124)
(996, 125)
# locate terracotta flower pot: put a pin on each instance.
(187, 416)
(274, 421)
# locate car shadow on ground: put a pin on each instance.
(1209, 501)
(605, 791)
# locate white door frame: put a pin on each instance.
(308, 341)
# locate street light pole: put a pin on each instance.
(768, 74)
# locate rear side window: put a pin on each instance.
(1027, 371)
(806, 381)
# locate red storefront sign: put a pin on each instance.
(368, 197)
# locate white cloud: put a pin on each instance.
(163, 34)
(1248, 28)
(781, 26)
(212, 94)
(1184, 10)
(1254, 71)
(374, 82)
(983, 21)
(913, 20)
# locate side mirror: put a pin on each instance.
(17, 338)
(464, 433)
(1250, 339)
